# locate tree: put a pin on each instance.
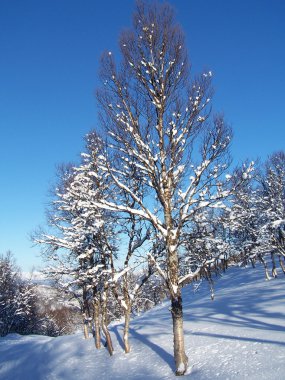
(157, 120)
(244, 222)
(129, 229)
(81, 245)
(257, 217)
(272, 208)
(17, 299)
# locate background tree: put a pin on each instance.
(272, 193)
(80, 245)
(17, 299)
(131, 232)
(23, 308)
(256, 217)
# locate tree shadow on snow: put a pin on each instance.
(249, 307)
(118, 336)
(165, 356)
(244, 339)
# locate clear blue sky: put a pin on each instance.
(49, 53)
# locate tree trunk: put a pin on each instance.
(281, 264)
(85, 326)
(265, 267)
(126, 330)
(181, 360)
(86, 314)
(105, 320)
(96, 324)
(108, 338)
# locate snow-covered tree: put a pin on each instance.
(157, 119)
(257, 217)
(272, 196)
(244, 221)
(17, 299)
(81, 245)
(206, 246)
(132, 233)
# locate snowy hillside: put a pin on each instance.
(241, 334)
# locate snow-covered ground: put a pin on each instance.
(239, 335)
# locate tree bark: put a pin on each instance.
(126, 330)
(108, 338)
(265, 267)
(180, 357)
(86, 314)
(105, 320)
(85, 326)
(96, 324)
(181, 360)
(281, 264)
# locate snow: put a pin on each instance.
(120, 274)
(181, 368)
(123, 304)
(239, 335)
(175, 288)
(278, 223)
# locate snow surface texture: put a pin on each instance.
(239, 335)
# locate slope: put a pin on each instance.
(241, 334)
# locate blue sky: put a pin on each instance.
(49, 53)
